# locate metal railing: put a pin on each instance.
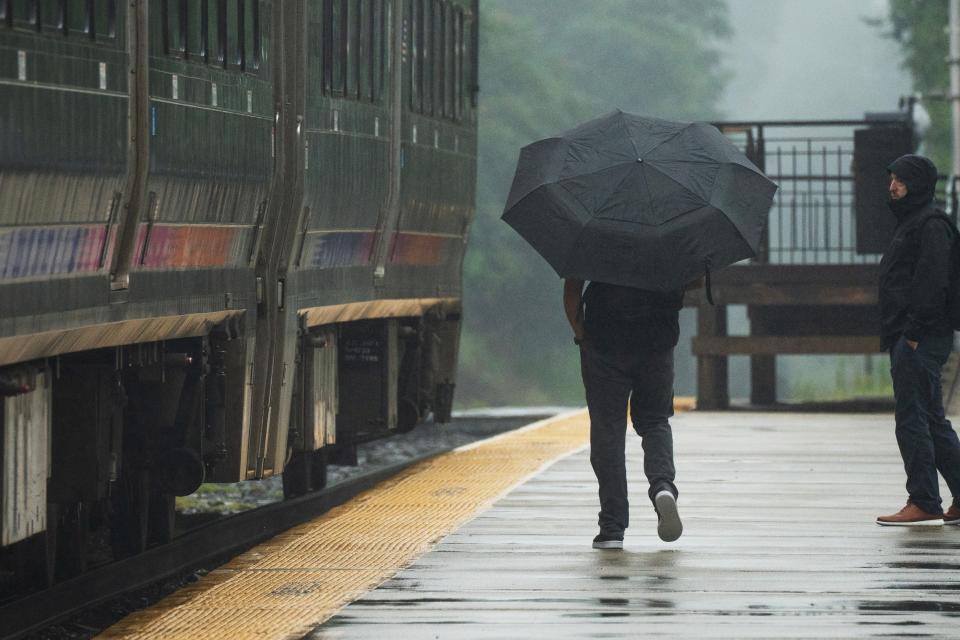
(813, 217)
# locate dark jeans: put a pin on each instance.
(610, 380)
(926, 438)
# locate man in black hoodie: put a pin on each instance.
(914, 278)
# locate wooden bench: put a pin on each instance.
(793, 309)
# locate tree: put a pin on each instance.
(919, 28)
(545, 66)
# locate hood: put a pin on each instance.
(920, 176)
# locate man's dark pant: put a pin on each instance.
(610, 380)
(926, 438)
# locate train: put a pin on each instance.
(231, 245)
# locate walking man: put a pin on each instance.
(914, 279)
(626, 339)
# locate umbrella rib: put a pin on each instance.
(551, 138)
(626, 133)
(663, 142)
(656, 161)
(611, 192)
(653, 166)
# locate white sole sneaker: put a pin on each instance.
(608, 544)
(669, 528)
(921, 523)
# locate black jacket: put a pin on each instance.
(618, 318)
(915, 270)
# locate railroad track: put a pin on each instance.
(206, 545)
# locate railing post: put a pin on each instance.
(760, 159)
(763, 369)
(712, 380)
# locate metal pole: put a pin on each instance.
(954, 62)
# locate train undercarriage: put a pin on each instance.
(97, 445)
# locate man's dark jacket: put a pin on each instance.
(619, 319)
(915, 270)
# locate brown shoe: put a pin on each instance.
(952, 515)
(910, 516)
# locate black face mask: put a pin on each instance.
(908, 203)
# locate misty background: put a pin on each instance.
(546, 65)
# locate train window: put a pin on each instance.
(438, 73)
(51, 14)
(352, 33)
(77, 19)
(342, 46)
(365, 59)
(379, 49)
(232, 31)
(367, 47)
(426, 56)
(23, 14)
(251, 35)
(174, 18)
(104, 19)
(447, 60)
(217, 32)
(196, 17)
(438, 46)
(470, 59)
(351, 49)
(416, 59)
(326, 72)
(458, 64)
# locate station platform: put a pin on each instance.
(493, 541)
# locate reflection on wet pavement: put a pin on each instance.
(950, 586)
(910, 605)
(764, 553)
(925, 566)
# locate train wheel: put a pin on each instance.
(162, 518)
(35, 558)
(408, 415)
(73, 539)
(318, 470)
(306, 472)
(131, 514)
(297, 475)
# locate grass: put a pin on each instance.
(849, 377)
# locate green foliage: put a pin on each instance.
(853, 377)
(547, 65)
(919, 27)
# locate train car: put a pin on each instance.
(231, 244)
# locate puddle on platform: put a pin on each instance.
(925, 566)
(950, 586)
(910, 606)
(932, 545)
(614, 602)
(386, 602)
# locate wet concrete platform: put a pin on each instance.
(779, 542)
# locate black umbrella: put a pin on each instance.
(638, 201)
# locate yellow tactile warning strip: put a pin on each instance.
(297, 580)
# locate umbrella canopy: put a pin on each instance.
(638, 201)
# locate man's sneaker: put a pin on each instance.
(669, 527)
(952, 515)
(603, 541)
(910, 516)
